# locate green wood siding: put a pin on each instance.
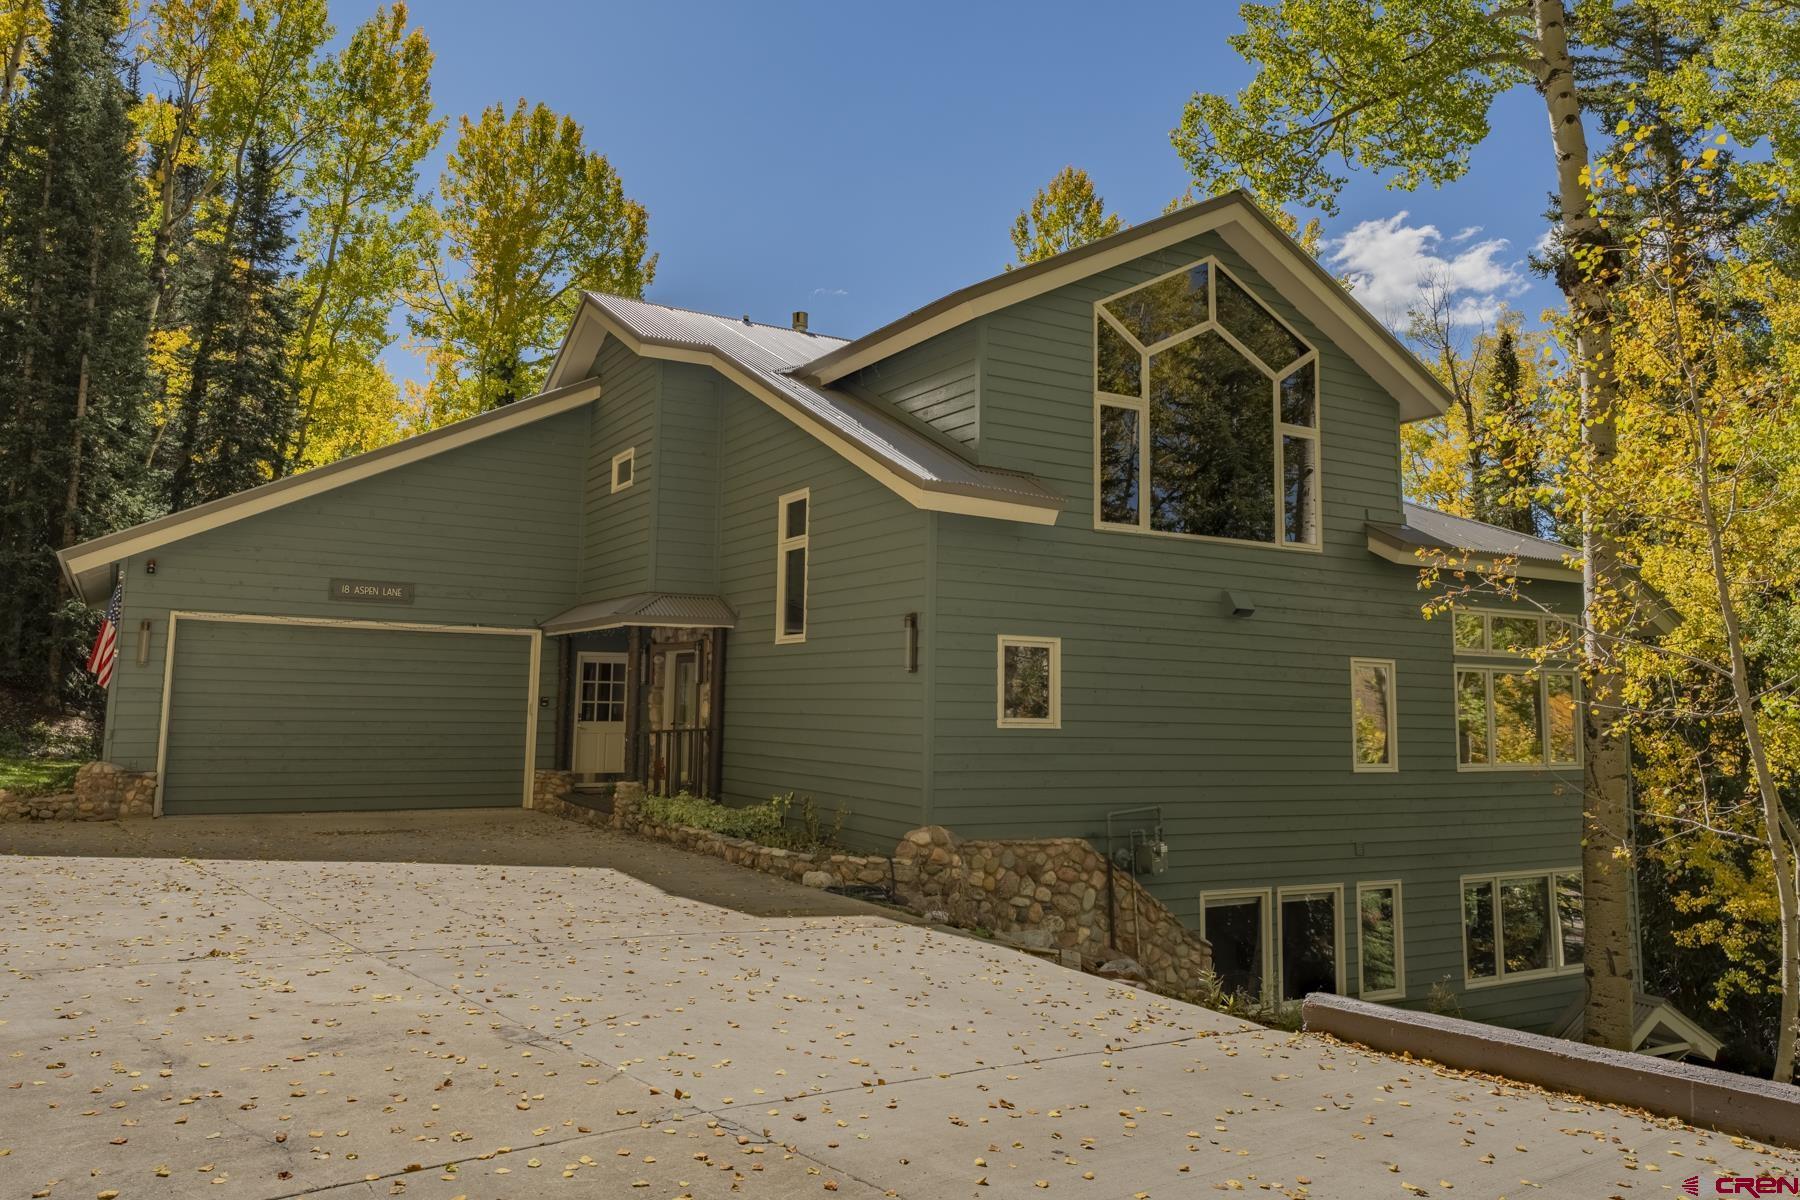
(687, 481)
(619, 528)
(489, 534)
(1238, 727)
(296, 718)
(936, 381)
(836, 717)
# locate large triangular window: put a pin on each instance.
(1206, 413)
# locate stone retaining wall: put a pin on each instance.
(1048, 893)
(101, 792)
(1056, 893)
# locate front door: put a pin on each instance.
(599, 716)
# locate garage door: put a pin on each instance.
(308, 718)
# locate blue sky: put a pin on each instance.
(859, 161)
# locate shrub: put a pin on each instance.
(787, 822)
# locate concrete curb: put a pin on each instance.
(1754, 1108)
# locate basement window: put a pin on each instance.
(1523, 926)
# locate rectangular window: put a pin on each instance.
(1309, 941)
(1380, 962)
(1521, 925)
(1512, 716)
(623, 465)
(1374, 719)
(1118, 465)
(1237, 925)
(793, 522)
(1030, 682)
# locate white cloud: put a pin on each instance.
(825, 291)
(1390, 262)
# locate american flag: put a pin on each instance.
(106, 642)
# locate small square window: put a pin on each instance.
(1030, 682)
(623, 466)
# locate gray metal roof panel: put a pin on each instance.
(769, 352)
(644, 608)
(1427, 528)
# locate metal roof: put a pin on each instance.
(1428, 529)
(1286, 266)
(644, 608)
(768, 354)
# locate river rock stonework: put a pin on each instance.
(101, 792)
(1049, 894)
(1052, 893)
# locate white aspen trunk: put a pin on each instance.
(1606, 810)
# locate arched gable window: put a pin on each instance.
(1206, 413)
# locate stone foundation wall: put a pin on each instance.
(101, 792)
(1055, 893)
(548, 787)
(1048, 893)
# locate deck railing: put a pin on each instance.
(679, 760)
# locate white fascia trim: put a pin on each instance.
(1523, 570)
(927, 499)
(1024, 289)
(103, 552)
(1322, 303)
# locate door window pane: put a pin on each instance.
(1027, 687)
(1559, 691)
(1471, 717)
(1570, 919)
(1518, 734)
(1478, 929)
(1118, 465)
(1235, 929)
(1378, 925)
(1525, 923)
(1308, 944)
(1372, 695)
(793, 606)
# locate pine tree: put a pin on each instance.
(239, 409)
(71, 333)
(1510, 489)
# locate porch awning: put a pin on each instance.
(644, 608)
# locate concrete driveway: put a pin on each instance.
(500, 1004)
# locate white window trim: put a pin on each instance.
(1296, 891)
(1501, 974)
(1054, 645)
(1270, 950)
(784, 543)
(1540, 677)
(1141, 405)
(1393, 717)
(629, 456)
(1398, 991)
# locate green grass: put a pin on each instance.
(36, 776)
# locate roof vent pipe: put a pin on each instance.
(800, 320)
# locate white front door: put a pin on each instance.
(599, 716)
